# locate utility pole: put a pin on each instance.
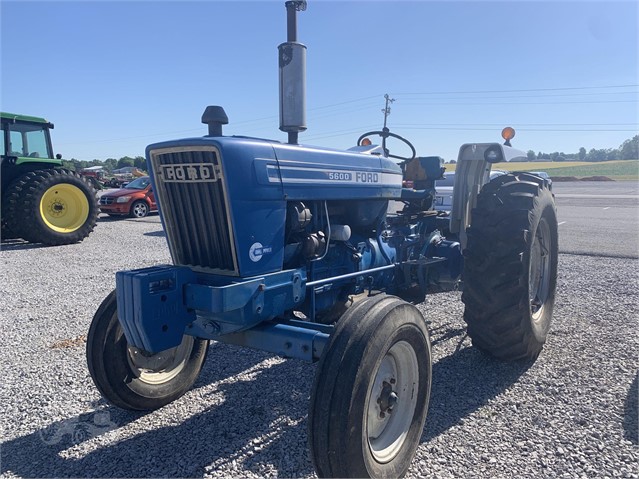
(386, 110)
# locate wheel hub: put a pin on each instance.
(57, 207)
(539, 272)
(163, 366)
(392, 401)
(151, 362)
(387, 399)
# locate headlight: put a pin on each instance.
(123, 199)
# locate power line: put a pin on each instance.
(522, 90)
(560, 95)
(271, 117)
(407, 125)
(335, 133)
(518, 129)
(344, 102)
(523, 102)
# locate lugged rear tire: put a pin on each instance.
(5, 232)
(51, 206)
(510, 267)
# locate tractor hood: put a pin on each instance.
(228, 195)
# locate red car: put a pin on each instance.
(136, 199)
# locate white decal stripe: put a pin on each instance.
(382, 179)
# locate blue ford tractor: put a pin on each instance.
(320, 254)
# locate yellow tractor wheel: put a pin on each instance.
(64, 208)
(52, 206)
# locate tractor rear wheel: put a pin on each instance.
(52, 206)
(131, 379)
(510, 268)
(5, 232)
(371, 391)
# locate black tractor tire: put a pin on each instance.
(11, 221)
(371, 391)
(52, 206)
(5, 232)
(94, 183)
(141, 386)
(510, 267)
(139, 209)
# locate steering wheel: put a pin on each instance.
(385, 133)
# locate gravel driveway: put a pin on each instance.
(573, 413)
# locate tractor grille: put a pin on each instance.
(192, 196)
(106, 200)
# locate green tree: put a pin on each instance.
(125, 161)
(140, 163)
(68, 164)
(612, 154)
(630, 149)
(110, 164)
(596, 155)
(531, 155)
(582, 154)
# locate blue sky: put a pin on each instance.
(115, 76)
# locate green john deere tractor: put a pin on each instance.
(41, 201)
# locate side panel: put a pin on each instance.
(309, 173)
(258, 204)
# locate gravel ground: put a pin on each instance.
(573, 413)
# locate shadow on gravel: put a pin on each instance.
(20, 245)
(156, 233)
(630, 416)
(462, 383)
(153, 217)
(258, 425)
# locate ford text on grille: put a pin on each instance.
(195, 172)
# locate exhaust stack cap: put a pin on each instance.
(215, 117)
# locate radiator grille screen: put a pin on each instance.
(191, 193)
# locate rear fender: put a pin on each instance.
(471, 173)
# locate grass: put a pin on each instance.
(615, 170)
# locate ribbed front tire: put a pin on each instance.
(371, 391)
(133, 379)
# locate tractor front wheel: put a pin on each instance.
(131, 378)
(53, 207)
(371, 391)
(510, 268)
